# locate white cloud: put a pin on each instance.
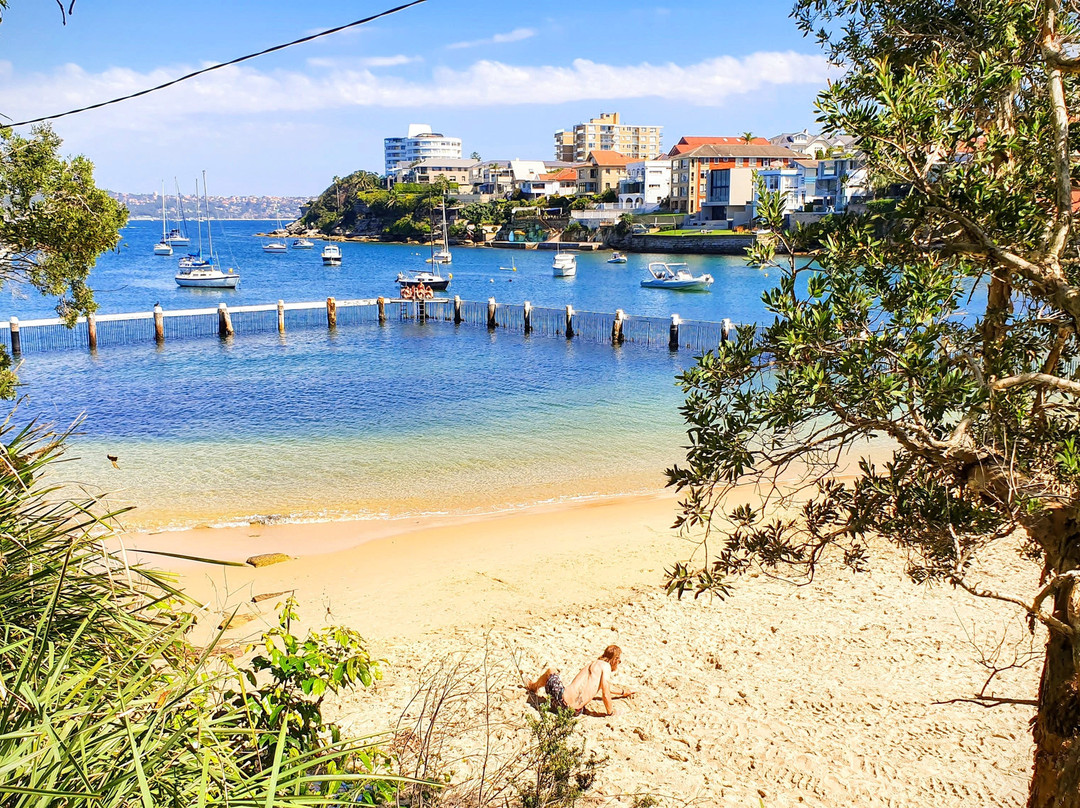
(334, 63)
(516, 35)
(244, 90)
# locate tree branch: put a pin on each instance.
(1051, 622)
(1036, 379)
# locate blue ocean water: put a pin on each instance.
(133, 279)
(368, 421)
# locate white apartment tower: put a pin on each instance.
(420, 144)
(606, 133)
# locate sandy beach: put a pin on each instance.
(820, 695)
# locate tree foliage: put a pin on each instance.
(55, 224)
(945, 327)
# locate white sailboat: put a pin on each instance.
(178, 236)
(206, 275)
(163, 247)
(276, 245)
(443, 255)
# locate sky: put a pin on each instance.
(502, 76)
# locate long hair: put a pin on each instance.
(612, 654)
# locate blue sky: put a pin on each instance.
(502, 76)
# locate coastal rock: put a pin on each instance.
(266, 559)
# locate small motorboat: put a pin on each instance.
(331, 255)
(677, 277)
(617, 258)
(275, 247)
(432, 280)
(564, 265)
(302, 244)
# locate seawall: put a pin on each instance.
(705, 245)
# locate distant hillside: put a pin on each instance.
(148, 206)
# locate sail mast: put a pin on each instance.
(180, 204)
(445, 235)
(163, 233)
(198, 214)
(209, 233)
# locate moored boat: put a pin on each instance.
(432, 280)
(331, 255)
(201, 273)
(302, 244)
(617, 258)
(564, 265)
(677, 277)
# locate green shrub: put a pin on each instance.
(559, 771)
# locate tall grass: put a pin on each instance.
(102, 700)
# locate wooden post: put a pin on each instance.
(281, 316)
(616, 328)
(457, 310)
(492, 306)
(159, 325)
(225, 327)
(331, 313)
(569, 321)
(673, 334)
(382, 310)
(725, 329)
(91, 331)
(16, 340)
(528, 317)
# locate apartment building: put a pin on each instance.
(647, 183)
(420, 144)
(691, 169)
(454, 171)
(608, 133)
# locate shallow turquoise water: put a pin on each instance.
(369, 421)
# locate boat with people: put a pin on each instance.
(430, 280)
(677, 277)
(202, 273)
(331, 255)
(564, 265)
(163, 247)
(617, 258)
(302, 244)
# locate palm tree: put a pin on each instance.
(748, 137)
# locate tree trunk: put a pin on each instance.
(1055, 782)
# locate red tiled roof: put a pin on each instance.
(606, 157)
(685, 144)
(559, 176)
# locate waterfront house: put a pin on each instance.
(602, 171)
(647, 184)
(458, 173)
(562, 182)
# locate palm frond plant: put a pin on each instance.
(104, 702)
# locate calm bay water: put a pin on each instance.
(369, 421)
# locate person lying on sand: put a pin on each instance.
(592, 681)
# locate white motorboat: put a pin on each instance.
(617, 258)
(331, 255)
(163, 247)
(302, 244)
(564, 265)
(677, 277)
(199, 272)
(275, 247)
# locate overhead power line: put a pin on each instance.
(149, 90)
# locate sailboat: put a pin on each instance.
(163, 247)
(206, 275)
(277, 245)
(432, 278)
(196, 260)
(178, 236)
(443, 256)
